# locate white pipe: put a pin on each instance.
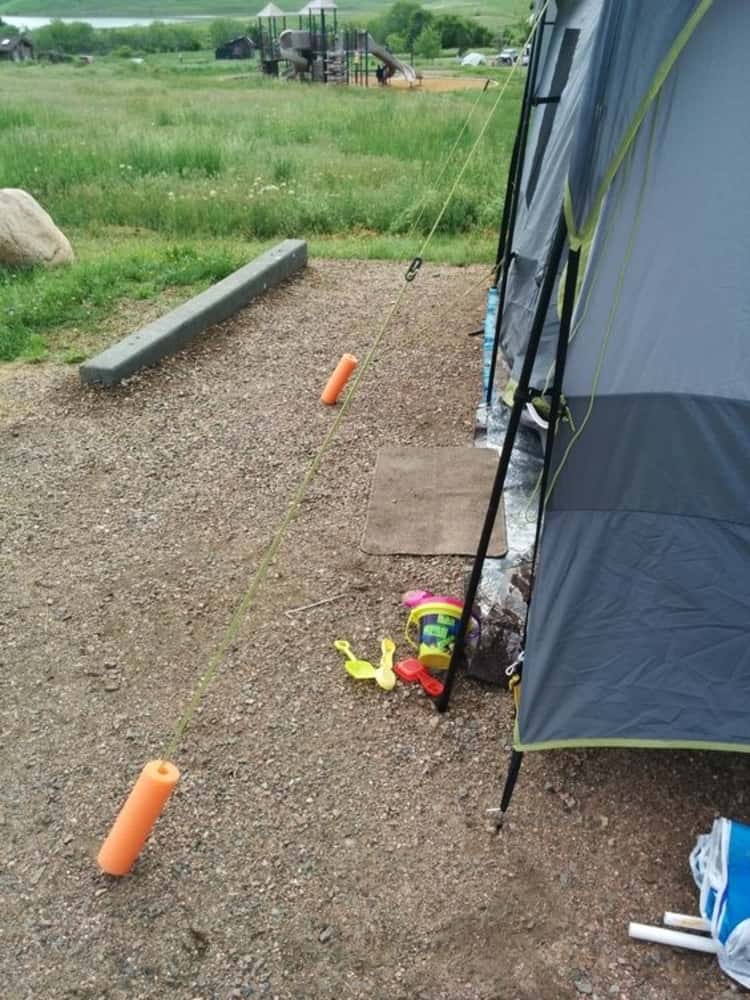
(685, 922)
(678, 939)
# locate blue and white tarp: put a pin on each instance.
(720, 863)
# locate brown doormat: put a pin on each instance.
(432, 501)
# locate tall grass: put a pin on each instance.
(238, 158)
(13, 117)
(185, 158)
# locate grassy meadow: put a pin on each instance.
(494, 13)
(170, 174)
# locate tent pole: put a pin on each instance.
(519, 401)
(509, 189)
(513, 177)
(510, 207)
(563, 337)
(561, 356)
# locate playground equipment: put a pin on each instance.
(318, 49)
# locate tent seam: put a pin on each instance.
(578, 236)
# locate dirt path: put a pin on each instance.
(327, 840)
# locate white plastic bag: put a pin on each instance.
(720, 863)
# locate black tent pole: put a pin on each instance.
(512, 173)
(511, 200)
(519, 401)
(510, 185)
(563, 337)
(561, 355)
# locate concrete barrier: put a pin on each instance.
(177, 328)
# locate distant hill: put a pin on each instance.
(492, 12)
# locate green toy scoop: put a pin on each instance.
(360, 670)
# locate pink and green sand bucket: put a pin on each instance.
(432, 626)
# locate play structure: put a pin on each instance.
(623, 306)
(317, 48)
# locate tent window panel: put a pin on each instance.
(559, 81)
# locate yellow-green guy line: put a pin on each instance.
(475, 146)
(449, 157)
(261, 573)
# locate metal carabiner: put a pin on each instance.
(510, 670)
(413, 268)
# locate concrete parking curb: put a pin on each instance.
(172, 332)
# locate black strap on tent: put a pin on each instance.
(563, 337)
(522, 396)
(512, 193)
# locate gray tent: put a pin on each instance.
(639, 625)
(558, 78)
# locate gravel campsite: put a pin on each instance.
(327, 839)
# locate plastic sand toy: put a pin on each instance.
(360, 670)
(412, 671)
(436, 620)
(384, 675)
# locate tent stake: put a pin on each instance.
(516, 759)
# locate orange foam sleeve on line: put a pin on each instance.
(137, 817)
(338, 380)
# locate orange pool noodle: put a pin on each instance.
(338, 380)
(137, 817)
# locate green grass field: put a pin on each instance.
(496, 11)
(173, 173)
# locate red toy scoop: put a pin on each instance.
(412, 670)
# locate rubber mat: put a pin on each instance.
(432, 501)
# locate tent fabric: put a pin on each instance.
(562, 71)
(639, 625)
(635, 45)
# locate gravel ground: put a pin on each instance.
(327, 840)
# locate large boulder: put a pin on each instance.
(27, 234)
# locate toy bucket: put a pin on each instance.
(436, 622)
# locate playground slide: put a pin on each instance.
(290, 42)
(387, 57)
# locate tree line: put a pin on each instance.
(408, 27)
(405, 27)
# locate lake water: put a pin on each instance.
(98, 22)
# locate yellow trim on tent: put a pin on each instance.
(626, 744)
(579, 236)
